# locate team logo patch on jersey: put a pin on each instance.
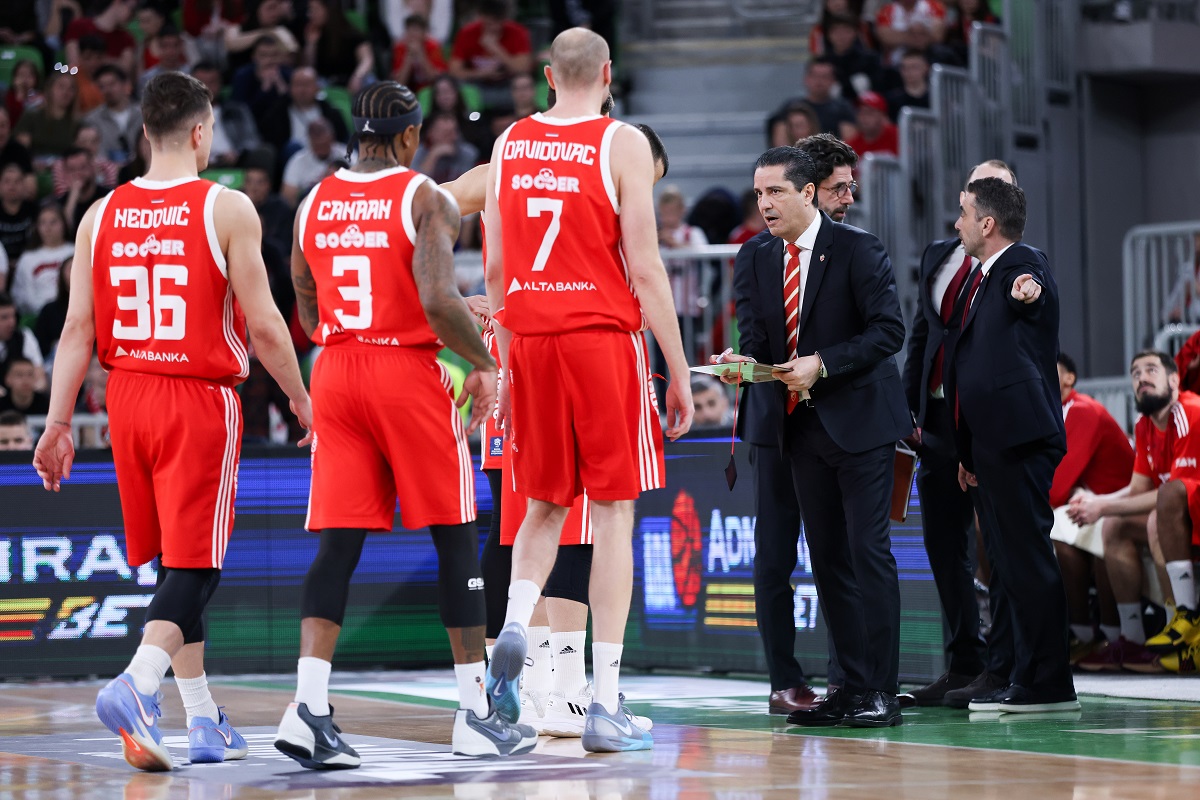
(496, 446)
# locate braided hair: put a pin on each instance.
(378, 101)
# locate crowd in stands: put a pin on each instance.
(282, 73)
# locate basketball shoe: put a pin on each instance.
(134, 717)
(566, 716)
(315, 742)
(213, 742)
(1121, 655)
(490, 736)
(612, 733)
(1183, 630)
(504, 672)
(1183, 662)
(533, 709)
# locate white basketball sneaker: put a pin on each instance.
(565, 716)
(533, 709)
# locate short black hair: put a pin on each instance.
(266, 38)
(74, 150)
(17, 358)
(206, 66)
(110, 69)
(10, 418)
(913, 52)
(92, 43)
(1067, 363)
(1003, 202)
(6, 300)
(817, 61)
(1168, 363)
(799, 168)
(173, 102)
(657, 149)
(380, 100)
(495, 9)
(829, 152)
(416, 20)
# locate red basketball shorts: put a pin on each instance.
(584, 416)
(386, 428)
(576, 530)
(176, 443)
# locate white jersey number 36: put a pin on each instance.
(165, 327)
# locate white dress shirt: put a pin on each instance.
(945, 274)
(806, 242)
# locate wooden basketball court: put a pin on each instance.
(712, 739)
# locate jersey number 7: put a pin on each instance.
(535, 207)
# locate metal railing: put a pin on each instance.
(1160, 281)
(1022, 22)
(882, 208)
(93, 425)
(920, 165)
(806, 10)
(953, 97)
(1060, 21)
(1115, 393)
(1172, 337)
(706, 316)
(991, 70)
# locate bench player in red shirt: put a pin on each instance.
(573, 277)
(373, 267)
(1165, 483)
(162, 267)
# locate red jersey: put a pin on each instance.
(358, 236)
(164, 305)
(1171, 453)
(1098, 457)
(563, 266)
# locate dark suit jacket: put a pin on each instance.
(851, 316)
(927, 330)
(1004, 363)
(276, 125)
(752, 418)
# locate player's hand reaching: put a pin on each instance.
(680, 408)
(481, 386)
(503, 406)
(54, 455)
(303, 412)
(478, 305)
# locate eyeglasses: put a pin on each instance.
(840, 189)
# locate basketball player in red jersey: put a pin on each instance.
(162, 266)
(573, 275)
(373, 267)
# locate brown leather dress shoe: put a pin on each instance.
(798, 698)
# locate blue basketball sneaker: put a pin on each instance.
(504, 673)
(134, 717)
(213, 742)
(612, 733)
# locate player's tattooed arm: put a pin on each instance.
(437, 223)
(304, 284)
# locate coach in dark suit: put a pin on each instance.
(837, 415)
(776, 510)
(1001, 378)
(947, 513)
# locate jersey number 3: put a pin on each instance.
(359, 292)
(167, 327)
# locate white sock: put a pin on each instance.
(1084, 633)
(1111, 632)
(148, 667)
(570, 673)
(196, 699)
(606, 668)
(537, 676)
(312, 685)
(488, 648)
(1131, 622)
(522, 598)
(471, 694)
(1183, 583)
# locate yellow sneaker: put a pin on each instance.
(1183, 662)
(1183, 630)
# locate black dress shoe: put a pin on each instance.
(907, 700)
(934, 693)
(986, 683)
(827, 713)
(874, 710)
